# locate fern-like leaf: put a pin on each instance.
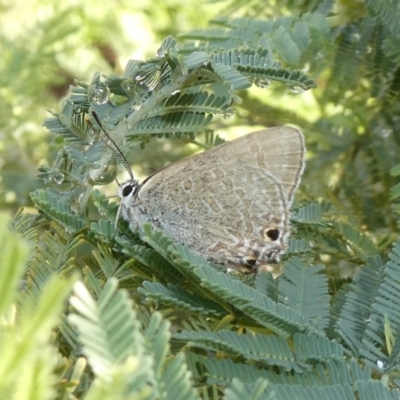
(185, 122)
(14, 253)
(239, 390)
(108, 330)
(51, 205)
(305, 290)
(355, 313)
(329, 373)
(175, 382)
(174, 296)
(277, 317)
(266, 349)
(388, 13)
(386, 304)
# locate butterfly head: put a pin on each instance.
(127, 190)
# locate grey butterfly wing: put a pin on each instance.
(229, 204)
(278, 150)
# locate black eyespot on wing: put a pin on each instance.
(273, 234)
(127, 190)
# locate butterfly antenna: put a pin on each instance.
(115, 149)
